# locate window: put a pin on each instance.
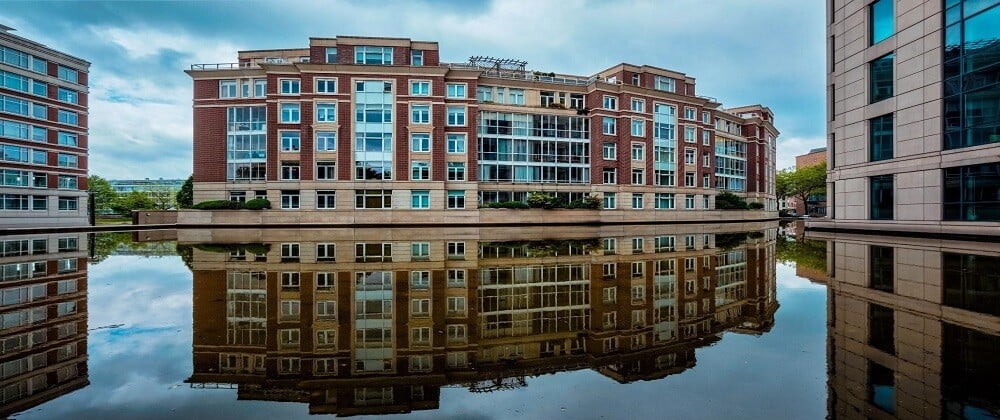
(881, 197)
(456, 90)
(881, 21)
(67, 74)
(456, 305)
(416, 57)
(689, 157)
(608, 126)
(663, 244)
(373, 55)
(663, 201)
(706, 137)
(326, 309)
(290, 171)
(637, 201)
(456, 199)
(972, 193)
(610, 102)
(881, 326)
(326, 86)
(880, 78)
(420, 250)
(67, 244)
(68, 182)
(456, 278)
(420, 114)
(67, 117)
(326, 200)
(689, 134)
(289, 338)
(326, 141)
(638, 105)
(638, 151)
(456, 171)
(420, 280)
(289, 199)
(689, 113)
(66, 139)
(65, 204)
(290, 309)
(609, 294)
(689, 202)
(420, 199)
(420, 142)
(421, 363)
(610, 175)
(456, 116)
(326, 112)
(576, 101)
(373, 252)
(706, 117)
(455, 250)
(289, 113)
(67, 161)
(421, 335)
(331, 55)
(289, 86)
(638, 176)
(609, 151)
(420, 170)
(881, 262)
(637, 245)
(420, 88)
(609, 201)
(664, 83)
(259, 88)
(326, 170)
(227, 89)
(291, 280)
(516, 96)
(290, 141)
(706, 182)
(326, 252)
(456, 143)
(689, 179)
(638, 127)
(880, 137)
(372, 199)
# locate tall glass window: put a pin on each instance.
(971, 92)
(971, 282)
(533, 148)
(880, 78)
(881, 197)
(881, 21)
(373, 130)
(664, 144)
(881, 260)
(972, 192)
(246, 143)
(373, 55)
(880, 138)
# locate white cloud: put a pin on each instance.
(790, 147)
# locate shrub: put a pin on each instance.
(257, 204)
(538, 200)
(729, 201)
(508, 205)
(755, 206)
(589, 202)
(784, 213)
(217, 205)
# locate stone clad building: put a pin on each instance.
(356, 123)
(914, 116)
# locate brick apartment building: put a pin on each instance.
(43, 135)
(364, 322)
(914, 122)
(816, 204)
(357, 123)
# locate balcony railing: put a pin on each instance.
(221, 66)
(526, 75)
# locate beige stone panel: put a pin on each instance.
(913, 82)
(909, 212)
(909, 15)
(909, 115)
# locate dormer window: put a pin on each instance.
(274, 60)
(373, 55)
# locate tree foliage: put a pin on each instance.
(804, 252)
(802, 182)
(134, 200)
(185, 197)
(102, 192)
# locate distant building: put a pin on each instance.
(357, 123)
(816, 204)
(125, 186)
(43, 135)
(914, 122)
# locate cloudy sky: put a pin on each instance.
(741, 52)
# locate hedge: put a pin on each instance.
(255, 204)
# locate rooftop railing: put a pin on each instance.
(526, 75)
(221, 66)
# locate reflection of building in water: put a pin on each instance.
(353, 324)
(914, 328)
(43, 321)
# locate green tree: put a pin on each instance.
(162, 197)
(185, 197)
(134, 200)
(102, 192)
(802, 182)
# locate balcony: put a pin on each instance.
(221, 66)
(537, 76)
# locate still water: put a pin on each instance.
(682, 321)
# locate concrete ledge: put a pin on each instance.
(988, 231)
(477, 217)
